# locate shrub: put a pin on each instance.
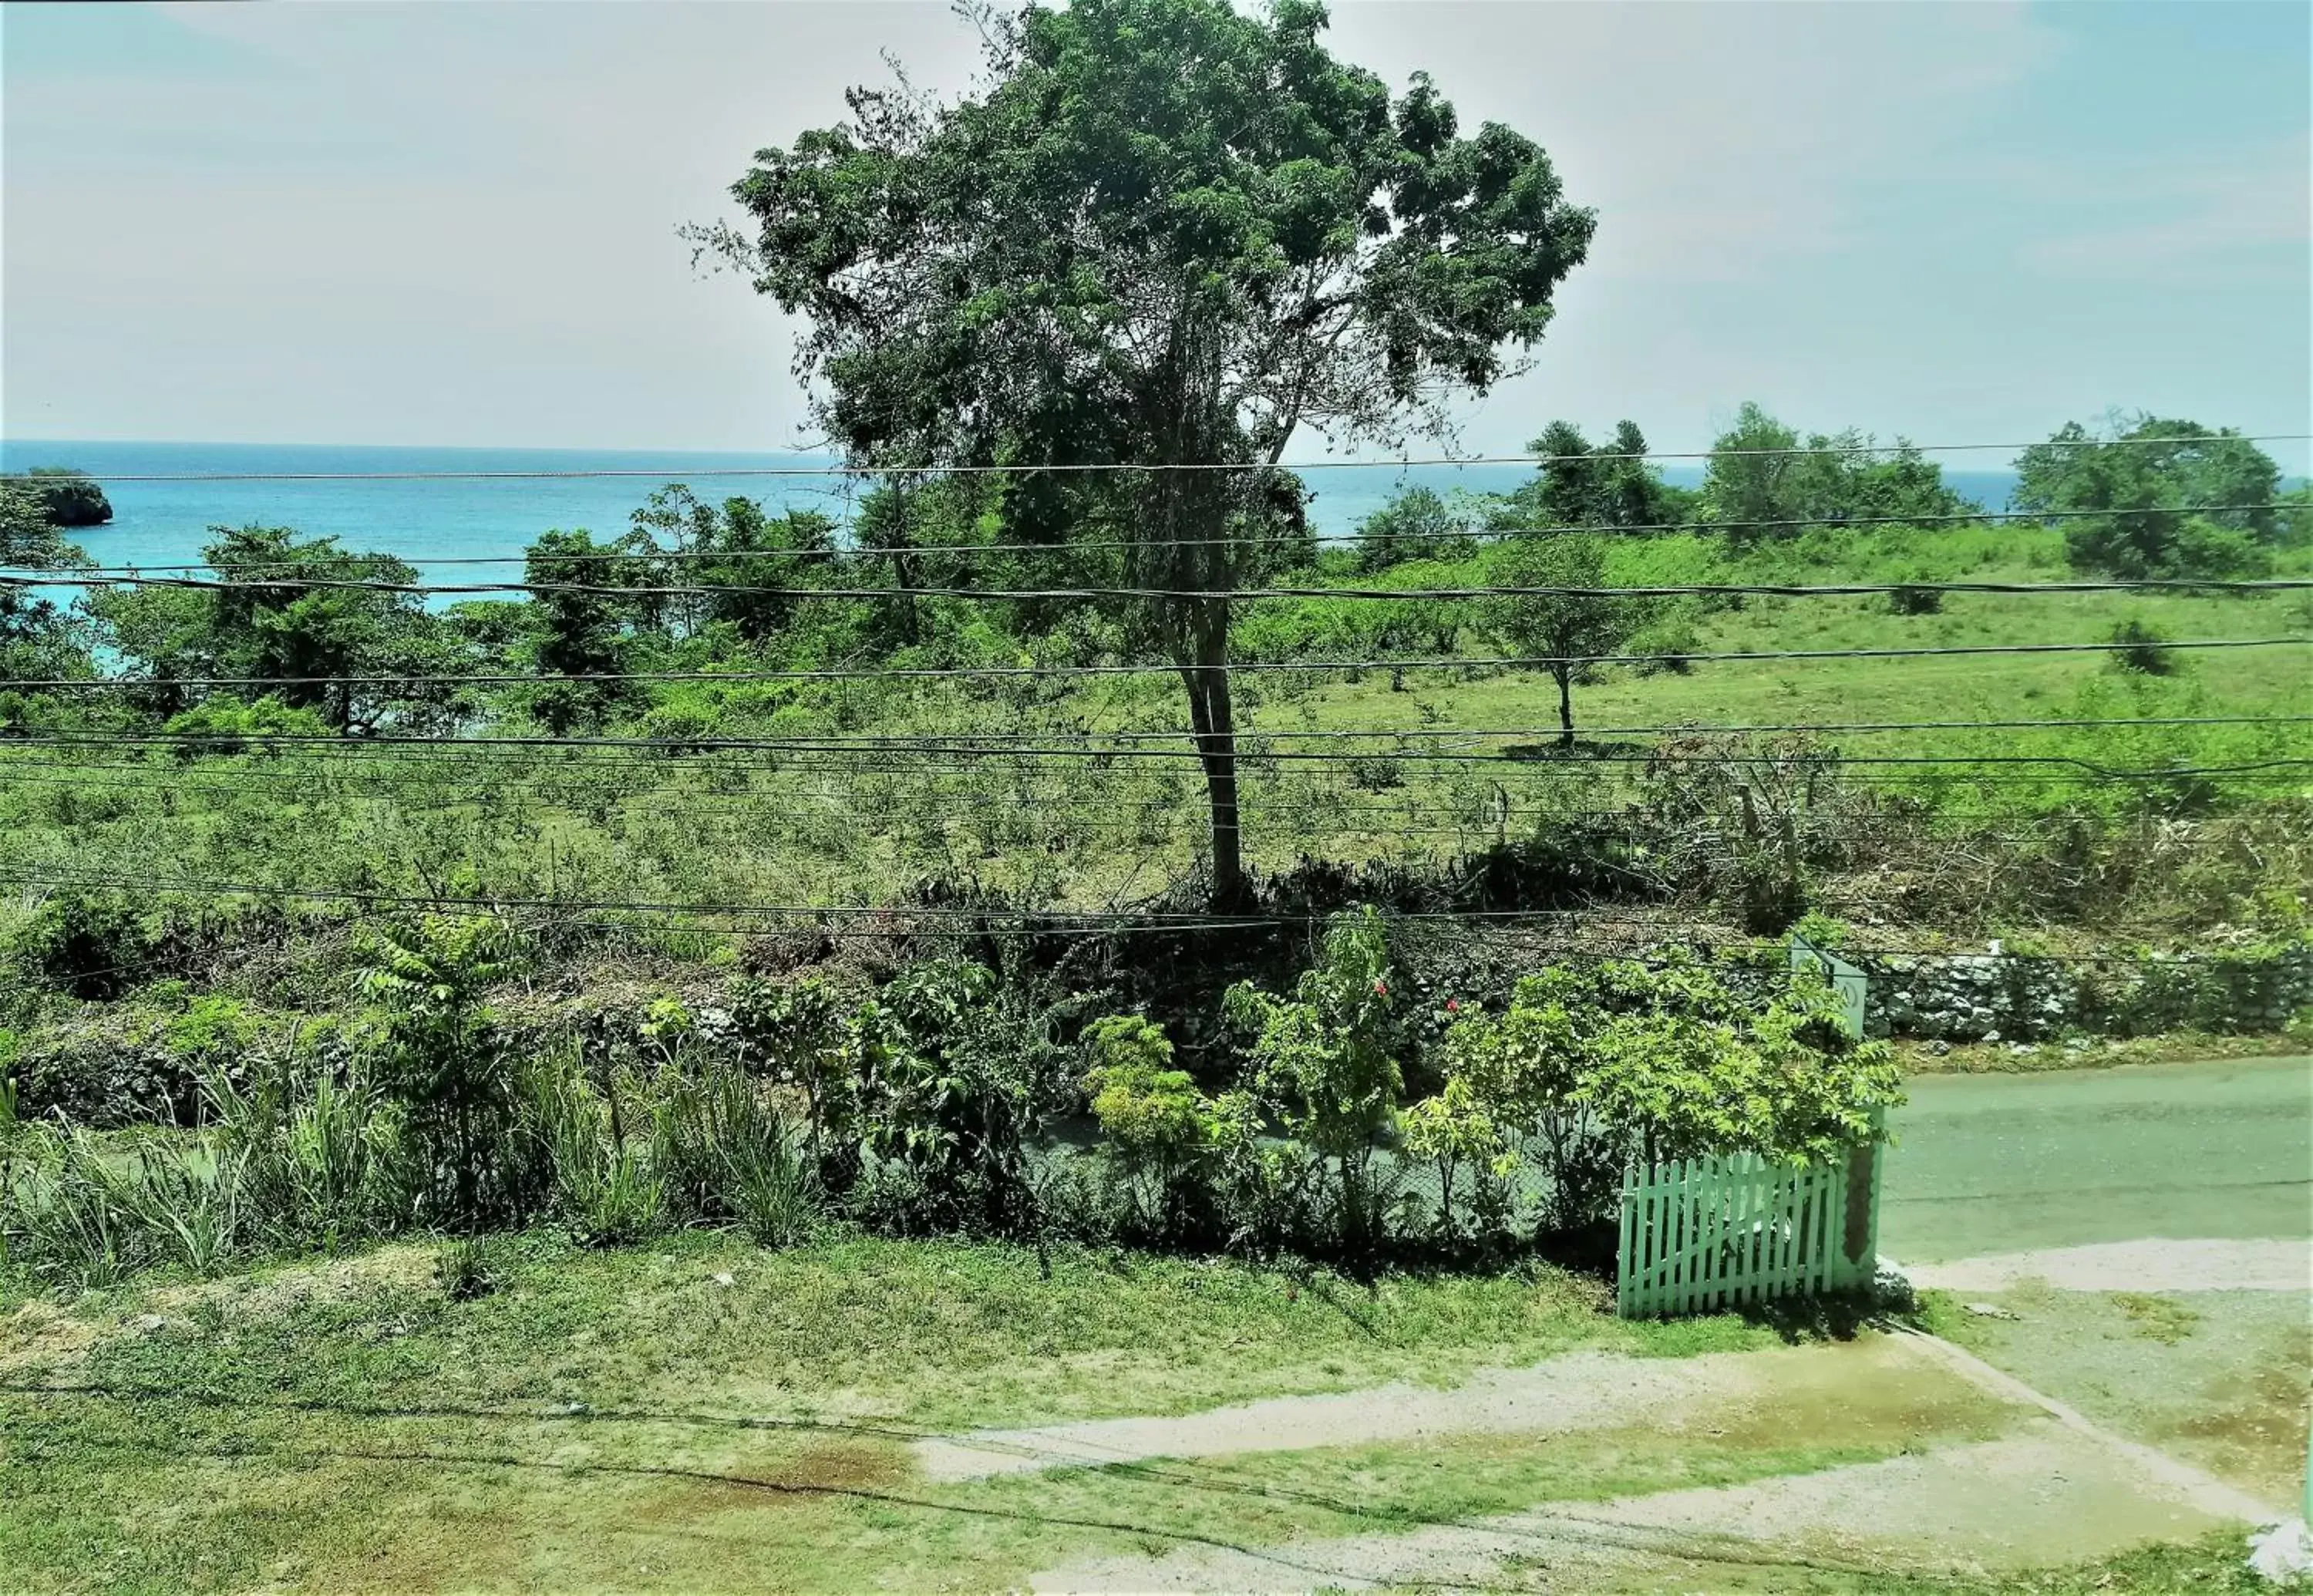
(1160, 1131)
(462, 1269)
(1590, 1069)
(963, 1074)
(76, 1211)
(2141, 649)
(87, 941)
(318, 1159)
(225, 725)
(725, 1153)
(1453, 1131)
(440, 1056)
(1327, 1058)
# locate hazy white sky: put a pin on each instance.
(445, 223)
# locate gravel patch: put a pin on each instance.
(2152, 1266)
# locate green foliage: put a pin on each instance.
(576, 633)
(1454, 1133)
(1144, 1105)
(1757, 473)
(964, 1073)
(1330, 1052)
(1416, 524)
(295, 611)
(314, 1159)
(1166, 232)
(462, 1269)
(75, 1211)
(439, 1056)
(211, 1031)
(1328, 1059)
(1590, 1068)
(223, 724)
(1577, 485)
(1161, 1132)
(1701, 1076)
(2143, 500)
(85, 940)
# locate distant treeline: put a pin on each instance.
(783, 590)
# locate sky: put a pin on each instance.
(453, 222)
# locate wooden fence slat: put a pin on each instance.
(1650, 1242)
(1829, 1181)
(1708, 1274)
(1714, 1241)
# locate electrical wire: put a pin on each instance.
(1087, 594)
(1091, 467)
(863, 551)
(963, 673)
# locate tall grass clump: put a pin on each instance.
(84, 1211)
(320, 1160)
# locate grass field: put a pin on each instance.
(627, 1420)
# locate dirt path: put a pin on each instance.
(1581, 1391)
(2047, 1493)
(2271, 1265)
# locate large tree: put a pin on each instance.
(293, 610)
(1161, 234)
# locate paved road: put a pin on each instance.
(2005, 1163)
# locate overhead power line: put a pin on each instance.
(724, 589)
(1096, 467)
(912, 550)
(955, 673)
(964, 748)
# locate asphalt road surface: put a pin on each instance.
(2009, 1163)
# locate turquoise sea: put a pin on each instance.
(394, 506)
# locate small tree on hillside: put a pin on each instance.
(1163, 235)
(1416, 524)
(1558, 627)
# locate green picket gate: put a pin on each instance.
(1702, 1234)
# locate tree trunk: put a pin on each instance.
(1212, 719)
(1565, 706)
(903, 576)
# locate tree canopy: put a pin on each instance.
(1163, 233)
(2197, 504)
(1762, 479)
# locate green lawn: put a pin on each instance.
(342, 1424)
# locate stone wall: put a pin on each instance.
(2025, 997)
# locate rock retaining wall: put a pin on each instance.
(2023, 997)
